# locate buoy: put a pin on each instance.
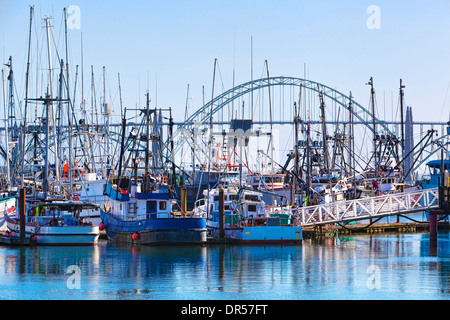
(135, 236)
(101, 226)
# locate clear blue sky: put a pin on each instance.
(170, 44)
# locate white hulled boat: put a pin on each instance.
(247, 219)
(55, 223)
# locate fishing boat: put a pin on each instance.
(195, 182)
(434, 176)
(148, 217)
(54, 223)
(433, 180)
(140, 206)
(88, 187)
(247, 219)
(271, 182)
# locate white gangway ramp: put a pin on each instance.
(366, 208)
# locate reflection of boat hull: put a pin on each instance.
(156, 231)
(57, 235)
(259, 234)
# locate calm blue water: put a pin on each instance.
(402, 266)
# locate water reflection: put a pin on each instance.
(410, 267)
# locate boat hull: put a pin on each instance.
(155, 231)
(57, 235)
(260, 234)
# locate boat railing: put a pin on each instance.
(159, 215)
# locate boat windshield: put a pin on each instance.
(435, 166)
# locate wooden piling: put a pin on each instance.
(434, 223)
(221, 213)
(183, 201)
(22, 209)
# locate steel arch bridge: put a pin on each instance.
(217, 107)
(203, 115)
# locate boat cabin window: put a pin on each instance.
(216, 198)
(232, 197)
(162, 205)
(274, 179)
(132, 208)
(251, 197)
(252, 208)
(435, 170)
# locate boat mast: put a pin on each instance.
(352, 159)
(69, 115)
(47, 101)
(172, 157)
(26, 97)
(59, 108)
(106, 113)
(122, 145)
(8, 170)
(402, 125)
(47, 26)
(374, 125)
(10, 115)
(296, 155)
(210, 133)
(324, 130)
(308, 163)
(147, 117)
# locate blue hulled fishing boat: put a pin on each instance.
(433, 180)
(148, 217)
(141, 203)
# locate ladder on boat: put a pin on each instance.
(366, 208)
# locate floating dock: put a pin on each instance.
(333, 230)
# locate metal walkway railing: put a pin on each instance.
(366, 208)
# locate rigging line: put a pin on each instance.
(443, 104)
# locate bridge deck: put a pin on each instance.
(373, 207)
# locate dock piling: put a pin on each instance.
(221, 213)
(183, 201)
(434, 223)
(22, 209)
